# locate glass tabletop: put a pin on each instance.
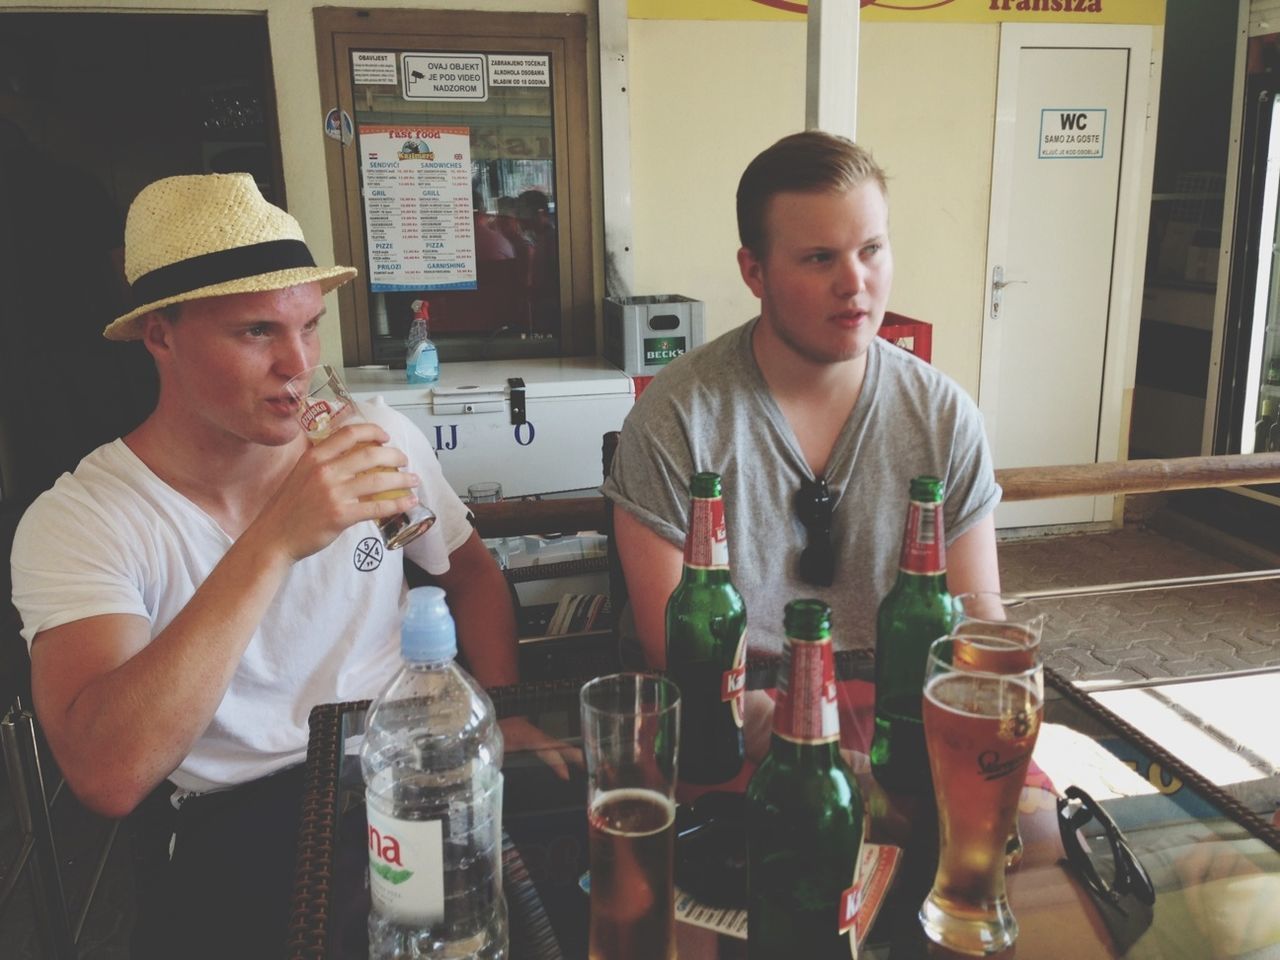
(1214, 861)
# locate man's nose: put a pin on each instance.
(294, 354)
(851, 278)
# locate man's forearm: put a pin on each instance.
(487, 635)
(146, 714)
(480, 602)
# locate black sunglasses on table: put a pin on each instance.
(1115, 876)
(813, 509)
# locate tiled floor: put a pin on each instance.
(1164, 633)
(1169, 633)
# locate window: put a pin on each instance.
(463, 181)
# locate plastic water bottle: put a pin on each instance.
(432, 762)
(422, 360)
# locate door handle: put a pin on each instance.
(998, 283)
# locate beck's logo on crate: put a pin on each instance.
(659, 351)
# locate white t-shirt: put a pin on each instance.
(112, 537)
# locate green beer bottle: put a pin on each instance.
(912, 615)
(706, 644)
(804, 809)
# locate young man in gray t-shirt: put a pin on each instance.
(805, 392)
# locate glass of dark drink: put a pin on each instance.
(631, 735)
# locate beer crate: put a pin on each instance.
(643, 334)
(913, 336)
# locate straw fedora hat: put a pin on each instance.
(207, 236)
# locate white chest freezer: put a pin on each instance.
(533, 425)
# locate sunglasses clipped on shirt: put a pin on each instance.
(1114, 874)
(813, 508)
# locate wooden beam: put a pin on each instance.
(515, 517)
(1138, 476)
(511, 518)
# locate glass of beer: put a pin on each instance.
(324, 405)
(999, 615)
(980, 726)
(630, 735)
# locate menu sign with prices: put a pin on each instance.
(419, 224)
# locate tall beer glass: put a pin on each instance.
(999, 615)
(324, 405)
(630, 735)
(980, 726)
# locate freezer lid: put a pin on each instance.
(544, 377)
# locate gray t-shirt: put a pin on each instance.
(712, 410)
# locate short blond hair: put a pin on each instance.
(809, 162)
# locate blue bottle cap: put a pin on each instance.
(428, 632)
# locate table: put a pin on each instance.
(1214, 861)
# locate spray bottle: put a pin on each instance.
(422, 362)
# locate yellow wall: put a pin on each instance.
(706, 96)
(926, 107)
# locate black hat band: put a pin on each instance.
(220, 266)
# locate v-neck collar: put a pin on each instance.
(845, 449)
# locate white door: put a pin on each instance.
(1070, 199)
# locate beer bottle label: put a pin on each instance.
(733, 684)
(806, 710)
(406, 867)
(923, 550)
(706, 546)
(850, 904)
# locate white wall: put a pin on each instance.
(706, 96)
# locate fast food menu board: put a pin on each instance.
(419, 225)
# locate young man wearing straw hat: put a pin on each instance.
(195, 587)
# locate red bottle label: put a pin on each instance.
(850, 904)
(706, 546)
(923, 549)
(733, 683)
(320, 418)
(806, 711)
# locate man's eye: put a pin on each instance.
(871, 249)
(820, 257)
(259, 330)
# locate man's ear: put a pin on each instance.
(752, 271)
(156, 333)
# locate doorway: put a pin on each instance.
(1071, 182)
(93, 106)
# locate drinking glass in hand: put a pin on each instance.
(324, 405)
(999, 615)
(630, 735)
(980, 726)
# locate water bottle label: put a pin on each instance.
(406, 868)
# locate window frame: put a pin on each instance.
(564, 37)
